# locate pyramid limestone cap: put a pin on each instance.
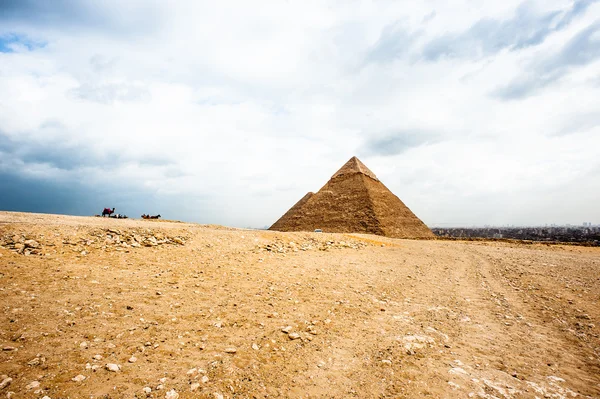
(354, 165)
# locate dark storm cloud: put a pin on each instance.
(397, 142)
(488, 36)
(581, 50)
(35, 195)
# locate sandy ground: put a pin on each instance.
(183, 310)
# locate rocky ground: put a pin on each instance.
(105, 308)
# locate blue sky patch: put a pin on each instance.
(12, 42)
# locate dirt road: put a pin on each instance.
(183, 310)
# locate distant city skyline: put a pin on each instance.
(472, 113)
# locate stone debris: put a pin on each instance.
(230, 349)
(132, 359)
(204, 379)
(97, 357)
(293, 336)
(78, 378)
(113, 367)
(194, 386)
(98, 239)
(310, 244)
(172, 394)
(33, 385)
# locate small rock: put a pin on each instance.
(31, 244)
(46, 397)
(217, 395)
(194, 386)
(287, 329)
(33, 385)
(78, 378)
(147, 390)
(97, 357)
(386, 361)
(113, 367)
(231, 349)
(83, 345)
(9, 348)
(5, 382)
(172, 394)
(255, 347)
(204, 379)
(293, 336)
(159, 387)
(163, 380)
(132, 359)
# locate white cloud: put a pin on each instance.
(230, 114)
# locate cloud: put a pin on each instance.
(20, 151)
(395, 42)
(229, 114)
(582, 49)
(134, 17)
(489, 36)
(111, 93)
(397, 142)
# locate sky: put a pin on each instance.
(472, 112)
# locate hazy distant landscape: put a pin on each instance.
(588, 234)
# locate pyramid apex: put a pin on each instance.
(354, 165)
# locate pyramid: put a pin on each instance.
(353, 201)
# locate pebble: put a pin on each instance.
(147, 390)
(9, 348)
(386, 361)
(46, 397)
(172, 394)
(255, 347)
(230, 350)
(33, 385)
(293, 336)
(217, 395)
(194, 386)
(97, 357)
(78, 378)
(5, 382)
(83, 345)
(287, 329)
(204, 379)
(132, 359)
(112, 367)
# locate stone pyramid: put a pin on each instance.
(353, 201)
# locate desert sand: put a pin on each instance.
(105, 308)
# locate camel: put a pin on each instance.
(108, 211)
